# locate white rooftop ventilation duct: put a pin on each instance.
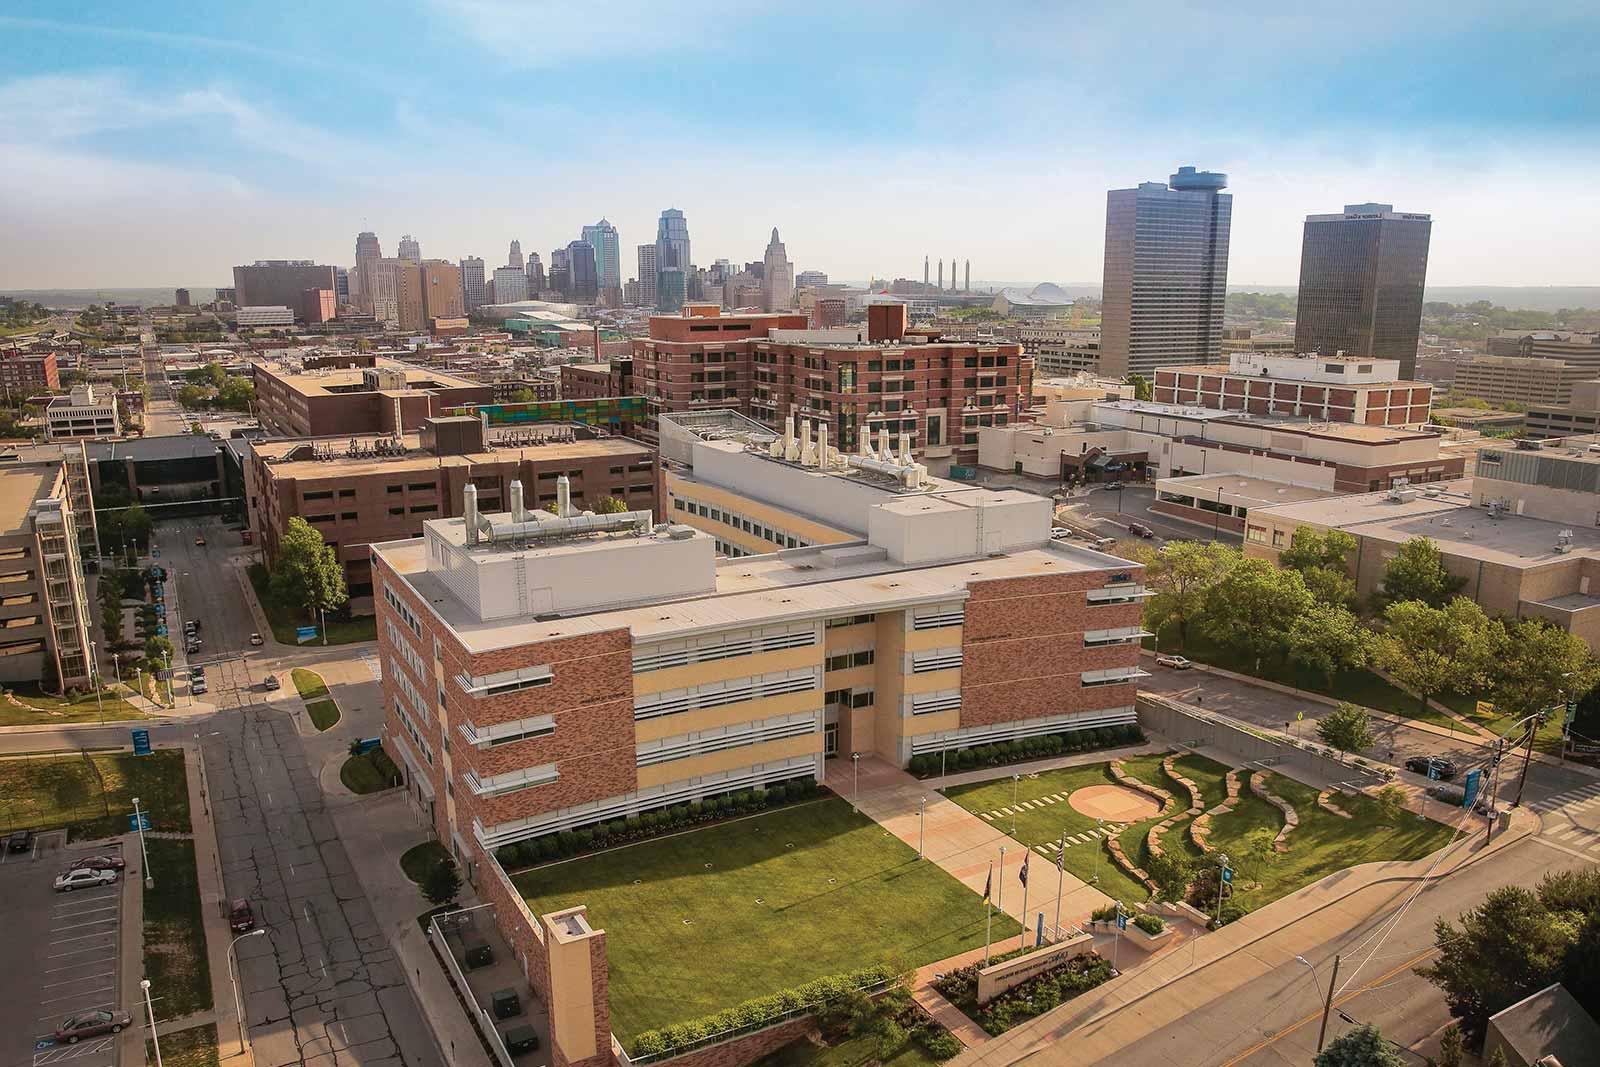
(532, 526)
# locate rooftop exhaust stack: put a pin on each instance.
(822, 446)
(791, 444)
(808, 454)
(519, 513)
(885, 452)
(469, 512)
(563, 497)
(905, 448)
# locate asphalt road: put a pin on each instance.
(1273, 1020)
(1109, 513)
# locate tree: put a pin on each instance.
(1310, 547)
(157, 652)
(1330, 639)
(1172, 873)
(443, 883)
(1539, 665)
(1506, 948)
(136, 524)
(1251, 609)
(1431, 650)
(1417, 572)
(307, 574)
(1391, 800)
(236, 394)
(609, 505)
(1451, 1046)
(1362, 1047)
(1260, 849)
(1182, 574)
(1142, 390)
(1346, 728)
(192, 396)
(523, 396)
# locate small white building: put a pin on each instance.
(85, 412)
(265, 315)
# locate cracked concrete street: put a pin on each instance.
(322, 987)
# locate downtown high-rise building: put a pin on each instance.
(514, 258)
(535, 272)
(672, 241)
(583, 275)
(647, 275)
(368, 252)
(473, 292)
(1361, 277)
(607, 253)
(777, 287)
(410, 248)
(442, 293)
(510, 285)
(1166, 273)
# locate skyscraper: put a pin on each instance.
(410, 249)
(368, 252)
(672, 240)
(670, 290)
(510, 285)
(442, 296)
(607, 260)
(584, 275)
(515, 258)
(472, 288)
(535, 272)
(778, 284)
(1361, 279)
(1166, 273)
(647, 275)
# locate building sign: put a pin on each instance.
(997, 978)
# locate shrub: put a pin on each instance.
(618, 827)
(965, 759)
(759, 798)
(778, 793)
(741, 800)
(633, 824)
(680, 813)
(649, 1043)
(509, 856)
(1150, 924)
(942, 1045)
(568, 841)
(585, 837)
(697, 809)
(1105, 914)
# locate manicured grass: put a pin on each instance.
(174, 934)
(44, 708)
(284, 622)
(419, 860)
(195, 1047)
(369, 773)
(44, 792)
(1047, 824)
(324, 714)
(308, 684)
(751, 907)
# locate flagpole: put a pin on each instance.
(1061, 880)
(1022, 939)
(988, 916)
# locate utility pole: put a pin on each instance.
(1494, 788)
(1327, 1005)
(1527, 757)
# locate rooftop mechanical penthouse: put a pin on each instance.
(549, 670)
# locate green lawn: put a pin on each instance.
(369, 773)
(195, 1047)
(419, 860)
(308, 684)
(748, 908)
(44, 708)
(284, 622)
(324, 714)
(174, 934)
(43, 792)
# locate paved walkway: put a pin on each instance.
(967, 847)
(1077, 759)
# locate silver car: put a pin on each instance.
(83, 877)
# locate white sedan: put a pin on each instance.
(82, 877)
(1177, 663)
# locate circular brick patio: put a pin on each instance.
(1113, 802)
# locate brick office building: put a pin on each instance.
(888, 377)
(595, 381)
(26, 373)
(1332, 388)
(296, 399)
(387, 490)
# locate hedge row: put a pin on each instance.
(757, 1011)
(651, 823)
(1029, 748)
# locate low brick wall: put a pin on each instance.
(746, 1049)
(516, 923)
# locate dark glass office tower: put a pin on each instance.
(1361, 278)
(1166, 273)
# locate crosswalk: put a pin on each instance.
(1572, 819)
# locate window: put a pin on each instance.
(397, 511)
(424, 509)
(422, 487)
(863, 699)
(347, 516)
(326, 494)
(345, 493)
(393, 488)
(843, 661)
(319, 518)
(849, 620)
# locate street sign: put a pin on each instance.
(1433, 772)
(1227, 876)
(1473, 783)
(1122, 921)
(141, 742)
(1485, 707)
(1300, 716)
(138, 822)
(302, 634)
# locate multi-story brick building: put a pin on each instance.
(891, 377)
(317, 402)
(1518, 379)
(366, 490)
(594, 381)
(1333, 388)
(43, 604)
(27, 373)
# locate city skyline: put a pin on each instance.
(136, 132)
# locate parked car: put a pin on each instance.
(198, 687)
(1141, 529)
(272, 682)
(1177, 663)
(92, 1024)
(200, 542)
(1104, 543)
(19, 841)
(1112, 486)
(105, 862)
(240, 916)
(255, 639)
(1444, 769)
(82, 877)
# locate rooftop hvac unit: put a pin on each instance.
(1564, 542)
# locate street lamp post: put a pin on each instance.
(922, 840)
(1015, 780)
(1327, 1005)
(172, 690)
(943, 752)
(1116, 938)
(238, 1001)
(855, 790)
(150, 1010)
(95, 680)
(144, 853)
(1101, 844)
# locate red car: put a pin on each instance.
(240, 916)
(92, 1024)
(99, 863)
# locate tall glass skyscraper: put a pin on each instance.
(607, 253)
(1166, 273)
(584, 280)
(1361, 279)
(672, 241)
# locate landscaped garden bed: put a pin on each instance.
(1037, 995)
(932, 764)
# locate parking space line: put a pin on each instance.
(87, 911)
(75, 966)
(79, 952)
(56, 1017)
(75, 996)
(81, 937)
(80, 926)
(80, 978)
(78, 898)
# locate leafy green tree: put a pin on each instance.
(193, 396)
(136, 524)
(1451, 1046)
(1251, 609)
(1182, 575)
(307, 574)
(1142, 389)
(1417, 572)
(1506, 948)
(1347, 728)
(1310, 547)
(443, 883)
(157, 651)
(1330, 639)
(1362, 1047)
(236, 394)
(1172, 873)
(609, 505)
(1391, 801)
(1260, 849)
(523, 396)
(1539, 665)
(1432, 650)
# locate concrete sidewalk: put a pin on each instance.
(1076, 759)
(1172, 985)
(968, 848)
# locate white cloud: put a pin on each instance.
(537, 33)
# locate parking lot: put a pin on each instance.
(62, 957)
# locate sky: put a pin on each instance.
(160, 143)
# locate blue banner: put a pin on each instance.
(1038, 937)
(141, 742)
(1227, 875)
(303, 634)
(1473, 783)
(141, 821)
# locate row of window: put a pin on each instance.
(937, 659)
(739, 735)
(405, 613)
(718, 694)
(937, 615)
(850, 698)
(724, 646)
(753, 527)
(417, 737)
(843, 661)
